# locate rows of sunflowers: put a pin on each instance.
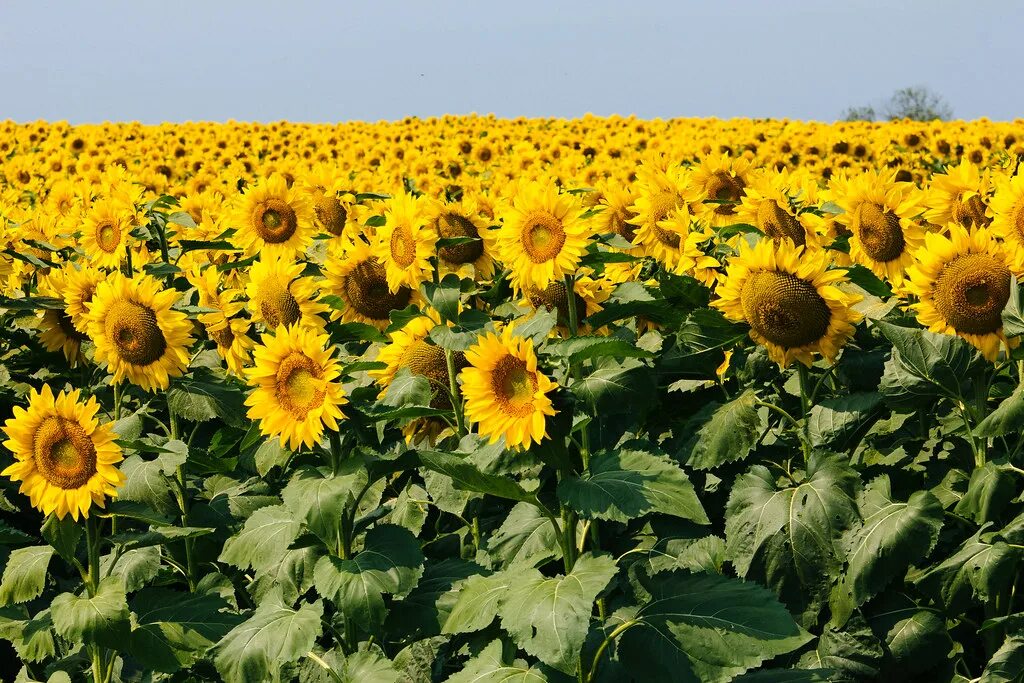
(474, 399)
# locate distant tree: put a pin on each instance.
(917, 103)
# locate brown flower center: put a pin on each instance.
(725, 187)
(274, 221)
(133, 330)
(970, 212)
(542, 236)
(514, 386)
(64, 454)
(450, 225)
(277, 305)
(331, 213)
(784, 309)
(879, 230)
(777, 223)
(366, 290)
(300, 385)
(971, 292)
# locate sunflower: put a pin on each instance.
(332, 205)
(77, 286)
(59, 334)
(768, 204)
(542, 237)
(880, 213)
(1008, 212)
(405, 243)
(590, 293)
(295, 394)
(65, 458)
(228, 332)
(660, 212)
(410, 348)
(789, 298)
(958, 196)
(272, 219)
(450, 220)
(716, 187)
(105, 232)
(358, 278)
(136, 333)
(279, 296)
(505, 392)
(962, 283)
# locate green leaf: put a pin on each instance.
(25, 574)
(318, 499)
(477, 605)
(174, 630)
(852, 652)
(102, 619)
(701, 343)
(1007, 664)
(135, 567)
(63, 535)
(425, 610)
(525, 537)
(275, 635)
(549, 617)
(989, 491)
(158, 535)
(467, 477)
(835, 421)
(892, 537)
(720, 626)
(916, 638)
(32, 638)
(11, 536)
(728, 435)
(444, 296)
(978, 570)
(390, 562)
(491, 666)
(1013, 312)
(617, 388)
(146, 483)
(629, 482)
(408, 389)
(579, 349)
(263, 540)
(203, 396)
(925, 365)
(793, 533)
(1007, 418)
(270, 454)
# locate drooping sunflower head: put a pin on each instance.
(273, 219)
(881, 216)
(788, 296)
(450, 220)
(661, 212)
(542, 236)
(137, 333)
(278, 295)
(296, 394)
(589, 294)
(58, 331)
(505, 391)
(716, 188)
(105, 232)
(768, 204)
(359, 279)
(65, 459)
(960, 196)
(962, 282)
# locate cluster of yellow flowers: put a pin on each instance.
(282, 230)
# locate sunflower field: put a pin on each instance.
(484, 400)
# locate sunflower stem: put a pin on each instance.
(92, 543)
(453, 387)
(129, 269)
(180, 477)
(118, 395)
(610, 638)
(335, 451)
(805, 406)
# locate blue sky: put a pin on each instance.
(335, 61)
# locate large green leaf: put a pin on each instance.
(477, 604)
(318, 498)
(273, 636)
(1008, 417)
(263, 540)
(925, 365)
(989, 491)
(1007, 664)
(173, 630)
(549, 617)
(25, 574)
(135, 567)
(978, 570)
(584, 348)
(915, 637)
(526, 537)
(616, 388)
(468, 477)
(102, 619)
(805, 523)
(490, 667)
(834, 422)
(720, 627)
(391, 562)
(631, 481)
(32, 638)
(853, 653)
(893, 536)
(729, 434)
(63, 534)
(425, 610)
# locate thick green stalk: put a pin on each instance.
(456, 396)
(92, 543)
